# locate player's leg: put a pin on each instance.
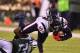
(30, 28)
(6, 46)
(41, 38)
(27, 29)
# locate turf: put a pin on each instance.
(51, 46)
(6, 35)
(69, 46)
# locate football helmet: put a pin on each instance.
(62, 34)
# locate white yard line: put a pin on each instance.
(9, 29)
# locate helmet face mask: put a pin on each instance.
(62, 35)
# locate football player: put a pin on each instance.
(42, 23)
(5, 46)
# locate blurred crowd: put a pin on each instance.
(69, 9)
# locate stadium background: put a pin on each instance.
(9, 8)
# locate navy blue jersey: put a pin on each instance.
(21, 46)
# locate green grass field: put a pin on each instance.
(52, 46)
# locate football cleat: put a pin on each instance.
(34, 43)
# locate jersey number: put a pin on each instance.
(23, 48)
